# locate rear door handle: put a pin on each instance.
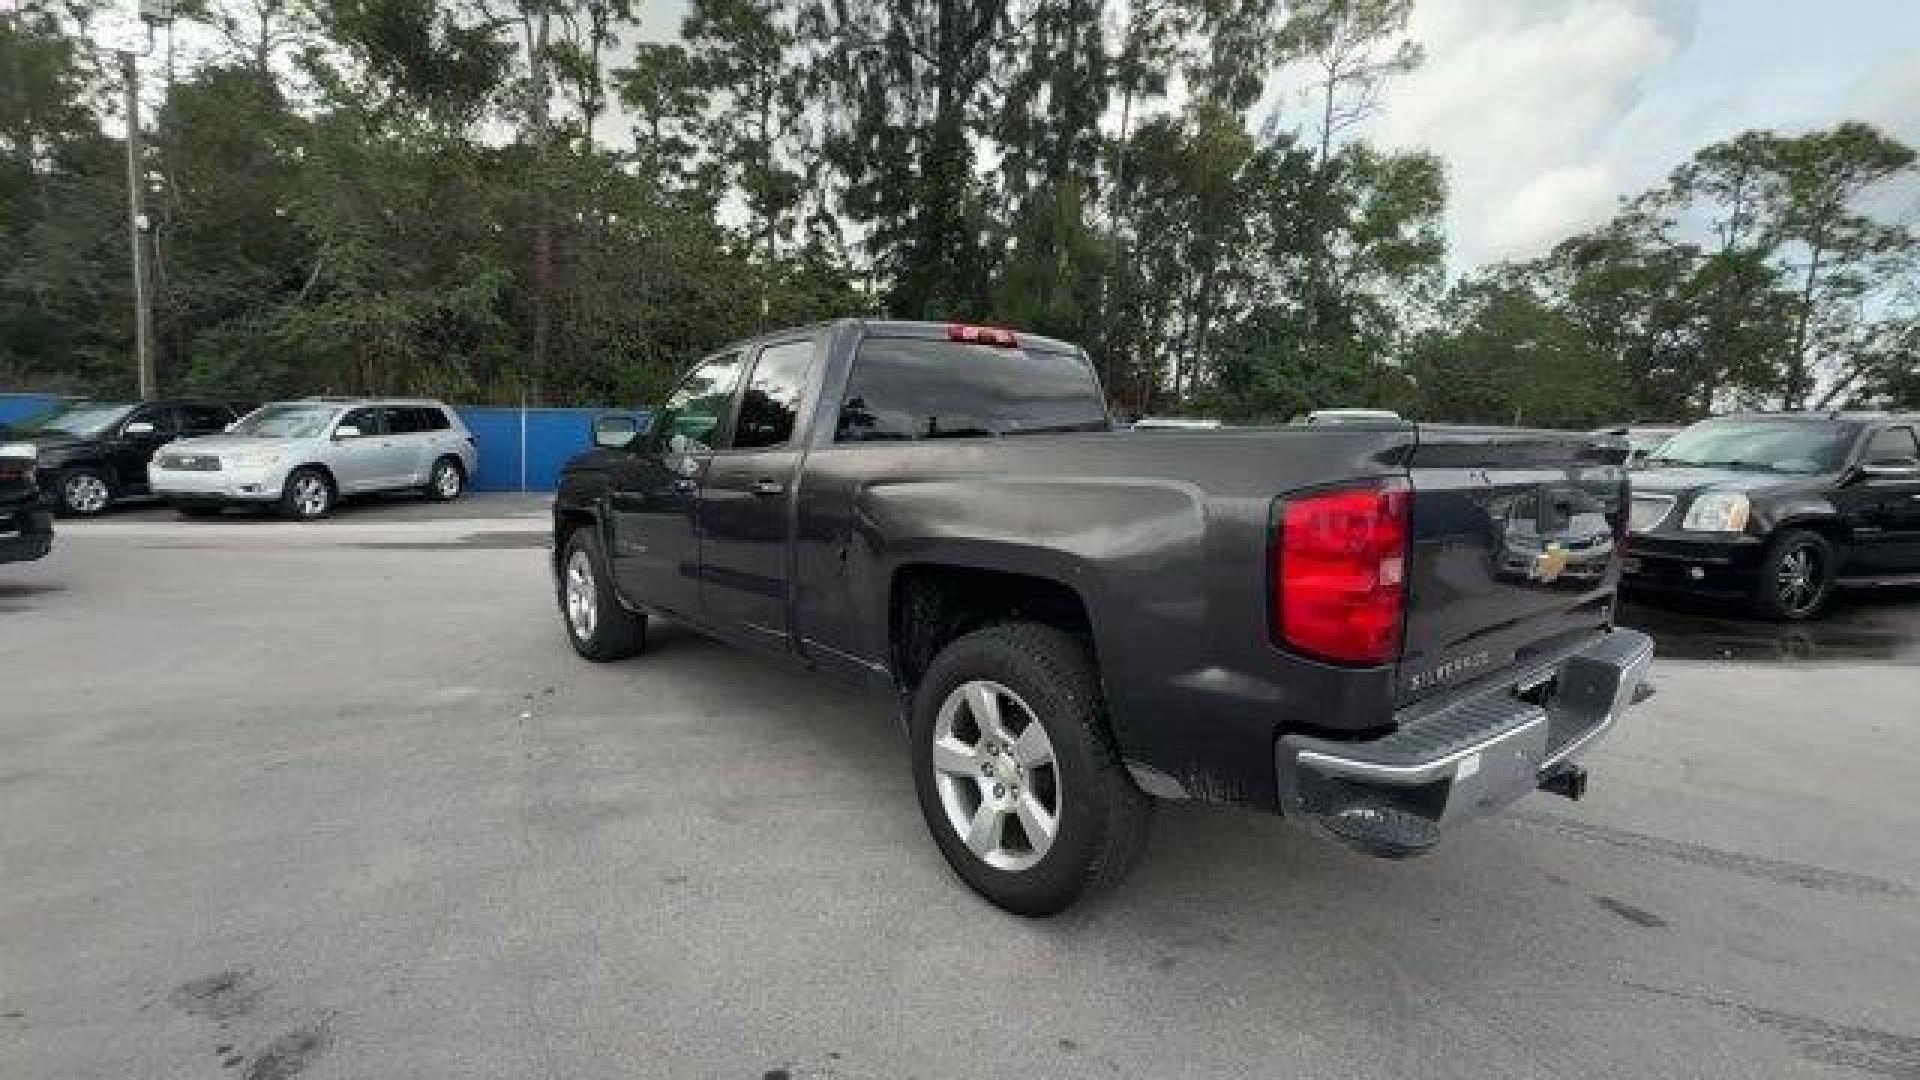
(685, 484)
(764, 486)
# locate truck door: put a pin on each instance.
(133, 448)
(656, 491)
(747, 500)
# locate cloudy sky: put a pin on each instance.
(1548, 112)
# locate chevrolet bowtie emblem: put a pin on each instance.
(1548, 564)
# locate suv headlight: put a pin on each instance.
(20, 449)
(1718, 512)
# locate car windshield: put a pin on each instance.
(83, 418)
(1788, 446)
(291, 421)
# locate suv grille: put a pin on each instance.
(1648, 512)
(190, 462)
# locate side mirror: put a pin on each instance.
(1892, 469)
(615, 430)
(346, 431)
(138, 427)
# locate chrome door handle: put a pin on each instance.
(769, 487)
(685, 484)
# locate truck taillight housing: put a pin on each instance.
(1340, 573)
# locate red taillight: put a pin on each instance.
(1340, 574)
(982, 335)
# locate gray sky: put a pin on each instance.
(1547, 112)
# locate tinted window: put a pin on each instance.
(160, 416)
(202, 419)
(772, 400)
(403, 420)
(924, 389)
(690, 420)
(1893, 444)
(433, 418)
(367, 420)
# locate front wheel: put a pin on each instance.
(84, 492)
(1017, 776)
(308, 495)
(600, 628)
(1796, 577)
(447, 480)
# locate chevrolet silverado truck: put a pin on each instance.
(1376, 629)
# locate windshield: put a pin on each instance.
(290, 421)
(1787, 446)
(83, 418)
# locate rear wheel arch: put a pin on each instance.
(930, 604)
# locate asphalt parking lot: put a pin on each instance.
(337, 800)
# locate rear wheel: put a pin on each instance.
(84, 492)
(447, 481)
(600, 628)
(1017, 777)
(1796, 577)
(308, 495)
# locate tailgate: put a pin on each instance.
(1515, 550)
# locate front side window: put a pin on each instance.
(160, 416)
(368, 421)
(1892, 445)
(772, 402)
(691, 419)
(906, 389)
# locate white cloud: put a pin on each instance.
(1522, 99)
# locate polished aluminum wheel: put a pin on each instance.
(583, 602)
(85, 493)
(310, 495)
(998, 782)
(446, 480)
(1798, 582)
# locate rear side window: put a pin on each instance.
(402, 420)
(433, 418)
(904, 389)
(1893, 444)
(772, 400)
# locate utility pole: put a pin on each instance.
(136, 230)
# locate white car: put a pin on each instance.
(305, 456)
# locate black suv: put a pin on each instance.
(1780, 508)
(26, 529)
(94, 452)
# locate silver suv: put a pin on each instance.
(304, 456)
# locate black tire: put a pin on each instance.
(1102, 818)
(1780, 592)
(610, 632)
(83, 491)
(302, 502)
(197, 511)
(446, 481)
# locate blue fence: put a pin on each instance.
(18, 406)
(520, 450)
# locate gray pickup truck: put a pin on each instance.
(1377, 629)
